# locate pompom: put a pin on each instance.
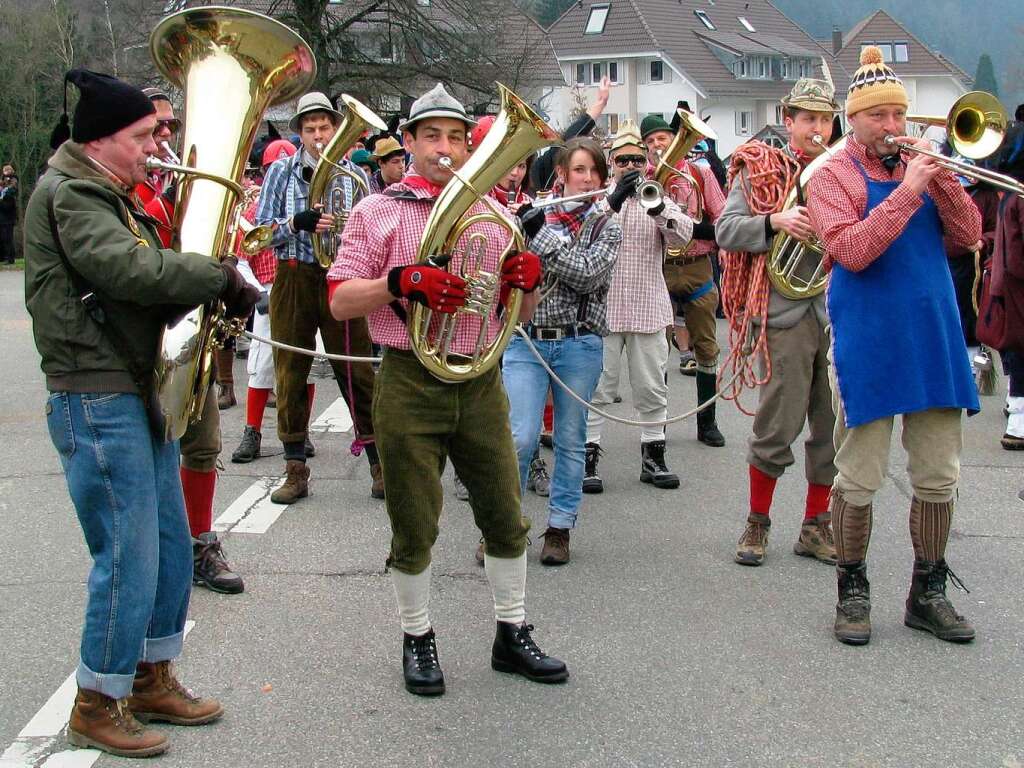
(871, 54)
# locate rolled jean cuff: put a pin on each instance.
(156, 649)
(559, 519)
(114, 686)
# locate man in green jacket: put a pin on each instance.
(98, 332)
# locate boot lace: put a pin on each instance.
(856, 600)
(524, 639)
(753, 535)
(123, 717)
(211, 555)
(656, 456)
(539, 470)
(172, 684)
(424, 652)
(936, 592)
(593, 454)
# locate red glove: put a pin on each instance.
(434, 287)
(522, 270)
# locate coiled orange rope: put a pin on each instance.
(771, 175)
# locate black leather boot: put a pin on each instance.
(514, 651)
(591, 480)
(653, 468)
(853, 611)
(929, 609)
(422, 670)
(707, 428)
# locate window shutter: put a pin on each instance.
(641, 71)
(666, 73)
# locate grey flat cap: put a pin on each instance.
(436, 102)
(314, 101)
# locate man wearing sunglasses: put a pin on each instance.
(639, 311)
(164, 135)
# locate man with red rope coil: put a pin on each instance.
(790, 333)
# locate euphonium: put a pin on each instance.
(325, 187)
(517, 132)
(794, 267)
(672, 180)
(232, 65)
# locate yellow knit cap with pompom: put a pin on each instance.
(874, 83)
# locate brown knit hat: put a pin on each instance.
(874, 83)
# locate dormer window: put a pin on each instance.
(704, 19)
(746, 24)
(597, 19)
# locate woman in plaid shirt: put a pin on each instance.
(578, 246)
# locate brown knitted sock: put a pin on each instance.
(851, 529)
(929, 528)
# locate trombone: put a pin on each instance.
(975, 128)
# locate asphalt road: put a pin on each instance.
(678, 656)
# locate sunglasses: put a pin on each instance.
(623, 160)
(173, 125)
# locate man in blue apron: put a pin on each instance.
(897, 345)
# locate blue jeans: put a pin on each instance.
(127, 495)
(578, 363)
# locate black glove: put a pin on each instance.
(704, 231)
(532, 219)
(624, 188)
(306, 220)
(263, 305)
(238, 296)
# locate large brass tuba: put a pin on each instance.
(517, 132)
(232, 65)
(325, 187)
(795, 267)
(675, 182)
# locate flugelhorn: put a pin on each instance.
(517, 132)
(325, 187)
(231, 64)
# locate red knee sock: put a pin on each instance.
(549, 417)
(255, 405)
(310, 394)
(762, 488)
(198, 489)
(817, 500)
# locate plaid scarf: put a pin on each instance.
(567, 220)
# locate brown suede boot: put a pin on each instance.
(107, 724)
(157, 695)
(816, 539)
(377, 488)
(753, 543)
(556, 547)
(225, 379)
(296, 486)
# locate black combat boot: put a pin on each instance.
(591, 481)
(514, 651)
(422, 670)
(929, 609)
(652, 466)
(853, 611)
(249, 449)
(707, 428)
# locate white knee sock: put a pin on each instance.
(1015, 423)
(413, 595)
(508, 583)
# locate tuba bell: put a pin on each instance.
(231, 64)
(517, 132)
(325, 186)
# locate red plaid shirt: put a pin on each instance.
(837, 197)
(264, 263)
(383, 231)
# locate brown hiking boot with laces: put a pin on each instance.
(753, 543)
(296, 486)
(929, 609)
(107, 724)
(556, 547)
(853, 611)
(157, 695)
(816, 540)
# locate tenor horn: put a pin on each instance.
(671, 180)
(517, 132)
(325, 187)
(231, 65)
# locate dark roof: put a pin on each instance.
(672, 28)
(881, 27)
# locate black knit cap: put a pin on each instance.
(105, 106)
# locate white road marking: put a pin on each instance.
(30, 749)
(253, 511)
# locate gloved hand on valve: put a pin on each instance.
(522, 270)
(624, 188)
(431, 286)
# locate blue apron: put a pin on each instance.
(898, 346)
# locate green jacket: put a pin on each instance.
(138, 283)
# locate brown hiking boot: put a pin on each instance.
(816, 540)
(754, 542)
(296, 486)
(377, 488)
(556, 547)
(107, 724)
(929, 609)
(157, 695)
(853, 611)
(225, 379)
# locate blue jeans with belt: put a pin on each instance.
(125, 486)
(576, 361)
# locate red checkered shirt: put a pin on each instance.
(264, 263)
(383, 231)
(714, 201)
(638, 300)
(837, 197)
